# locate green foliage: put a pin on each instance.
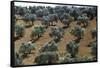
(37, 31)
(46, 58)
(94, 33)
(68, 59)
(72, 48)
(93, 46)
(26, 48)
(19, 30)
(49, 47)
(78, 31)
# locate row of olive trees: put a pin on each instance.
(41, 11)
(51, 14)
(48, 54)
(23, 52)
(37, 31)
(29, 19)
(72, 47)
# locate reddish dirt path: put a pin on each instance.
(83, 50)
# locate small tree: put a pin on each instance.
(30, 17)
(49, 47)
(37, 31)
(39, 12)
(47, 58)
(45, 21)
(26, 48)
(78, 32)
(18, 59)
(66, 22)
(83, 19)
(57, 33)
(72, 48)
(19, 30)
(93, 46)
(94, 33)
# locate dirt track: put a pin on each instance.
(83, 50)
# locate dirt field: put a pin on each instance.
(83, 50)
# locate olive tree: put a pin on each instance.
(18, 59)
(93, 46)
(72, 47)
(78, 32)
(47, 58)
(49, 47)
(19, 30)
(30, 17)
(57, 33)
(94, 33)
(83, 19)
(37, 32)
(45, 21)
(26, 48)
